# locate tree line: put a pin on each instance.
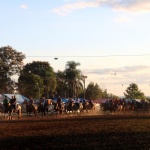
(38, 78)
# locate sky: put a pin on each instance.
(109, 38)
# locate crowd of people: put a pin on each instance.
(43, 101)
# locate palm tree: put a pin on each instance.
(73, 78)
(61, 88)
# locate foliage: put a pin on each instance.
(46, 74)
(112, 96)
(73, 78)
(31, 85)
(11, 62)
(93, 91)
(105, 94)
(61, 88)
(132, 92)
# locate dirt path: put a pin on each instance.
(84, 132)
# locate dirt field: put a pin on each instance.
(72, 133)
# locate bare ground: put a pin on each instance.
(83, 132)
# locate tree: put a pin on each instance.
(105, 94)
(62, 87)
(45, 72)
(11, 62)
(132, 92)
(31, 85)
(93, 91)
(73, 78)
(112, 96)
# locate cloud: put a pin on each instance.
(118, 71)
(118, 83)
(65, 9)
(133, 6)
(123, 77)
(24, 6)
(118, 5)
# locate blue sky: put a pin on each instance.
(116, 29)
